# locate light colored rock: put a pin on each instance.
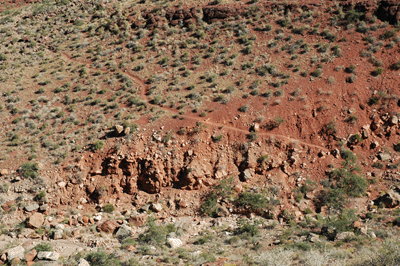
(384, 156)
(4, 172)
(58, 234)
(60, 226)
(27, 232)
(16, 252)
(48, 255)
(127, 130)
(62, 184)
(391, 199)
(82, 262)
(35, 221)
(313, 238)
(32, 207)
(343, 235)
(222, 211)
(157, 207)
(124, 231)
(174, 242)
(393, 120)
(119, 129)
(247, 174)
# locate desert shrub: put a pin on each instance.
(29, 170)
(217, 138)
(128, 241)
(378, 71)
(155, 234)
(247, 228)
(101, 258)
(316, 73)
(4, 188)
(206, 237)
(344, 221)
(109, 207)
(43, 247)
(221, 191)
(244, 108)
(98, 145)
(252, 201)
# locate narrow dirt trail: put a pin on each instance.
(144, 97)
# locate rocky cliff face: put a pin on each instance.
(150, 165)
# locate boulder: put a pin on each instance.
(16, 252)
(123, 232)
(119, 129)
(138, 220)
(35, 221)
(82, 262)
(393, 120)
(247, 174)
(58, 234)
(48, 255)
(391, 199)
(383, 156)
(157, 207)
(32, 207)
(222, 211)
(108, 226)
(174, 242)
(31, 255)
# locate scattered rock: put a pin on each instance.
(82, 262)
(16, 252)
(138, 220)
(343, 235)
(119, 129)
(4, 172)
(35, 221)
(58, 234)
(313, 238)
(174, 242)
(157, 207)
(123, 232)
(391, 199)
(31, 255)
(108, 226)
(393, 120)
(32, 207)
(222, 211)
(48, 255)
(247, 174)
(384, 156)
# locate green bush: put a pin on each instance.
(222, 191)
(378, 71)
(43, 247)
(155, 234)
(108, 208)
(98, 145)
(101, 258)
(247, 228)
(252, 201)
(207, 237)
(29, 170)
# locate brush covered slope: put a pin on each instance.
(283, 112)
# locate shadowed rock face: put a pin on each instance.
(385, 10)
(388, 10)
